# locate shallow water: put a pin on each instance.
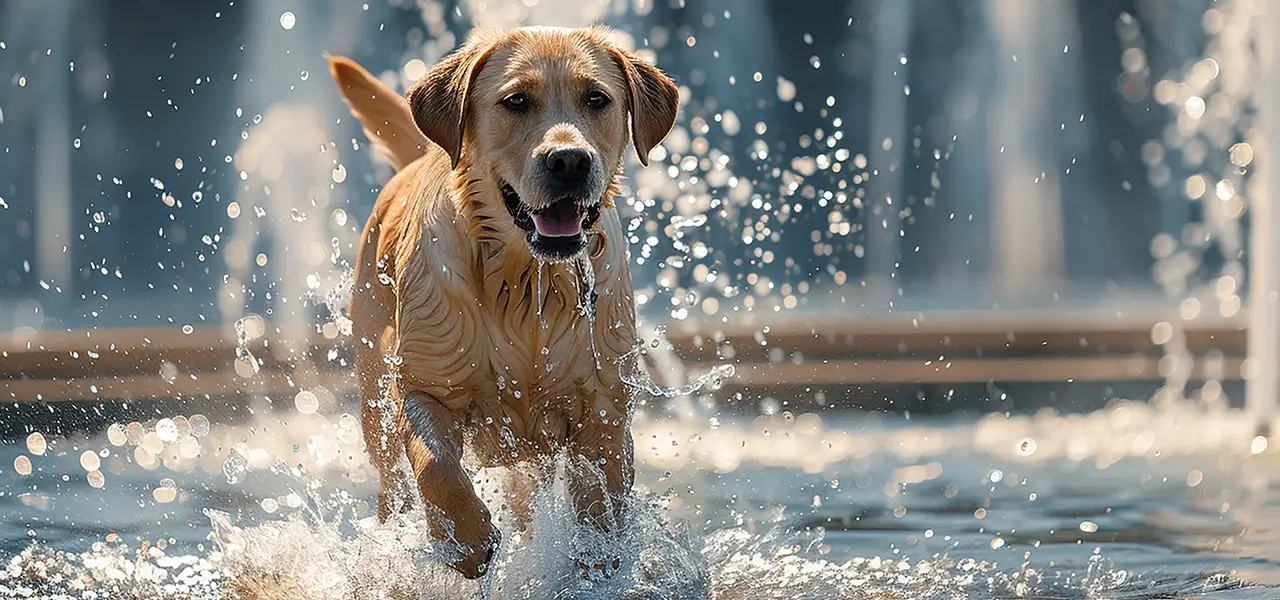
(1126, 502)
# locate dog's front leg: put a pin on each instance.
(598, 480)
(433, 442)
(601, 471)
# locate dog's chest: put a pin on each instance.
(508, 334)
(544, 332)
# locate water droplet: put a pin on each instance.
(306, 402)
(22, 465)
(89, 461)
(37, 445)
(305, 76)
(116, 435)
(187, 329)
(164, 495)
(288, 20)
(246, 367)
(234, 466)
(177, 164)
(233, 210)
(167, 430)
(199, 425)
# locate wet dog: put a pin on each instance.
(493, 303)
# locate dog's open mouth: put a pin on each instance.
(554, 232)
(562, 218)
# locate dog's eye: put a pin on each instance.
(597, 99)
(518, 101)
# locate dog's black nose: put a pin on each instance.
(570, 165)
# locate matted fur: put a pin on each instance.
(446, 283)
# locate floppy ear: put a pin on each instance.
(653, 102)
(439, 100)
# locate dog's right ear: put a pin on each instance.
(439, 100)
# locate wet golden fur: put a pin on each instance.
(446, 282)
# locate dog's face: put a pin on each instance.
(541, 116)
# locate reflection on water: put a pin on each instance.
(1130, 501)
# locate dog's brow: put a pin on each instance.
(591, 81)
(523, 80)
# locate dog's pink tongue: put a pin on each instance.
(563, 219)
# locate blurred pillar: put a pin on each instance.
(1176, 26)
(290, 166)
(888, 143)
(53, 142)
(959, 254)
(1026, 208)
(1263, 387)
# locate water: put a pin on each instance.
(1126, 502)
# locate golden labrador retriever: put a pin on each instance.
(493, 301)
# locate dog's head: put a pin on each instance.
(540, 115)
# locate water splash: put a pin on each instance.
(542, 322)
(587, 298)
(635, 374)
(247, 329)
(297, 559)
(234, 465)
(386, 403)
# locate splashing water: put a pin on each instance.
(300, 560)
(388, 407)
(634, 373)
(587, 298)
(234, 466)
(320, 549)
(247, 329)
(542, 322)
(309, 557)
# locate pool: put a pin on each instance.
(1131, 501)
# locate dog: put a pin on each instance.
(492, 304)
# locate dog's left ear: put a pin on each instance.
(439, 100)
(653, 100)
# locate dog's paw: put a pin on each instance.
(601, 569)
(476, 559)
(476, 565)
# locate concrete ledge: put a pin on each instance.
(904, 349)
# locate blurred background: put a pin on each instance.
(915, 155)
(1078, 165)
